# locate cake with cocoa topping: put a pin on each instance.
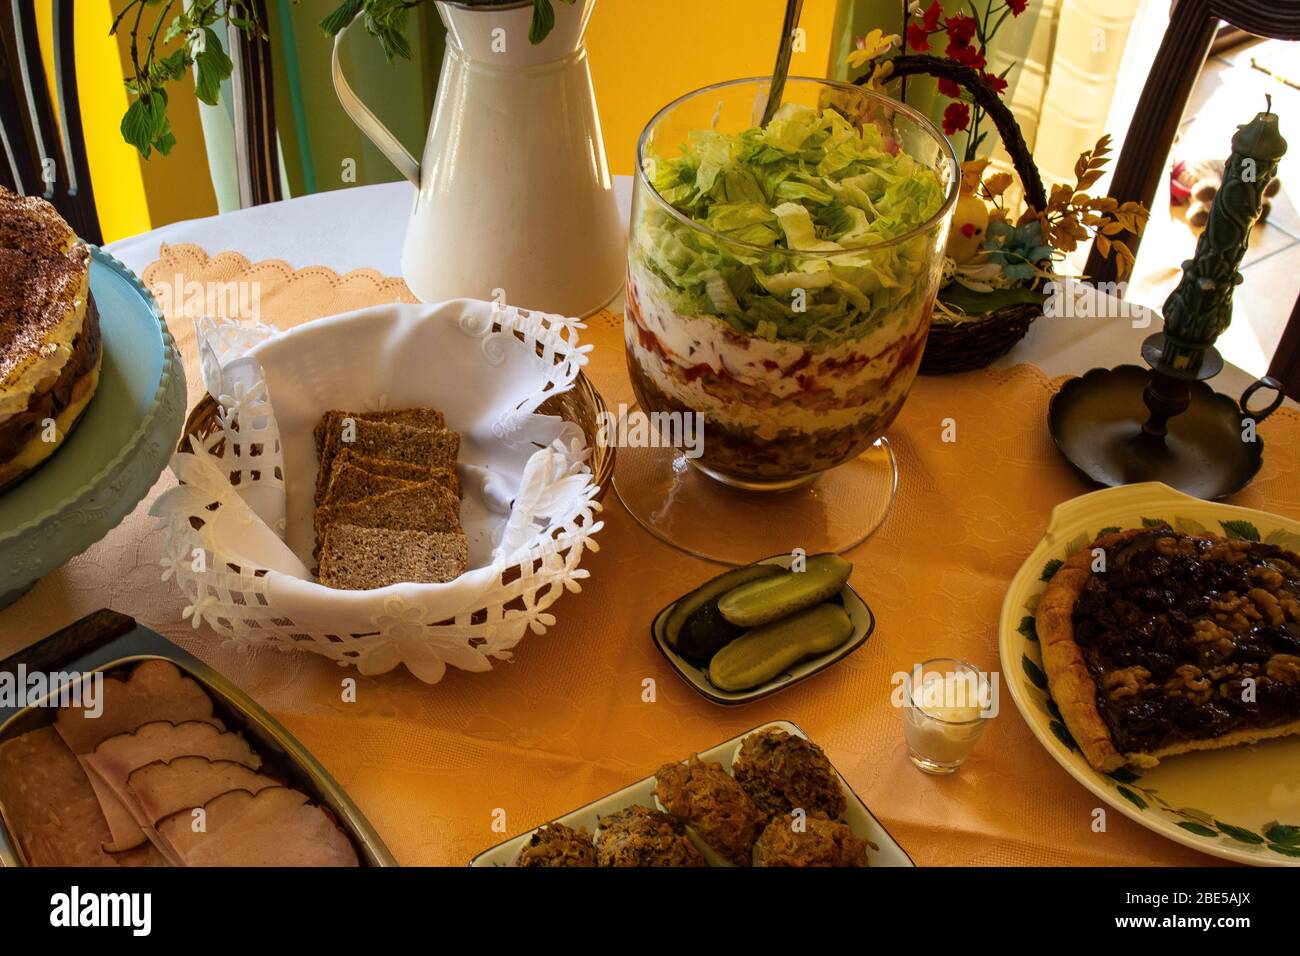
(50, 346)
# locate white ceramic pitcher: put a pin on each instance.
(515, 200)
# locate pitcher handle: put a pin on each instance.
(368, 122)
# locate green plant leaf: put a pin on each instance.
(392, 38)
(543, 21)
(1285, 850)
(1109, 529)
(1123, 775)
(1200, 829)
(172, 66)
(1033, 672)
(1282, 833)
(1188, 526)
(341, 16)
(1155, 523)
(1132, 798)
(958, 297)
(1240, 530)
(1240, 834)
(213, 68)
(145, 123)
(1050, 569)
(1027, 628)
(1063, 734)
(137, 126)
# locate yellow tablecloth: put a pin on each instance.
(565, 723)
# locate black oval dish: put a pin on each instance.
(1096, 422)
(864, 622)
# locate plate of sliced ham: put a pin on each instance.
(173, 767)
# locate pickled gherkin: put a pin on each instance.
(706, 594)
(772, 598)
(766, 652)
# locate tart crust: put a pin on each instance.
(1072, 686)
(1068, 678)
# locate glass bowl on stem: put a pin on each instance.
(783, 354)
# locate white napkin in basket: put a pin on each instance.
(408, 356)
(528, 498)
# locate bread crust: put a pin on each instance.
(1071, 683)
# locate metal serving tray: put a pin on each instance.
(107, 641)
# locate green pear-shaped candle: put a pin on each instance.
(1199, 310)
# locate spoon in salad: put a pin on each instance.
(782, 68)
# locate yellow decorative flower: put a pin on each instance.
(882, 72)
(873, 45)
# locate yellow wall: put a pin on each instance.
(643, 54)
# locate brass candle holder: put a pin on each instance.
(1165, 423)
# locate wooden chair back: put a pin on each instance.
(43, 150)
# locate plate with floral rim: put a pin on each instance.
(1239, 803)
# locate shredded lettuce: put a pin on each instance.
(810, 182)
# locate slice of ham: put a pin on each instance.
(154, 690)
(162, 788)
(275, 827)
(111, 763)
(52, 809)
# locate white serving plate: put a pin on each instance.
(864, 623)
(882, 849)
(1240, 803)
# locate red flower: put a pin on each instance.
(966, 56)
(996, 83)
(1017, 6)
(968, 229)
(932, 14)
(956, 117)
(917, 37)
(949, 89)
(961, 29)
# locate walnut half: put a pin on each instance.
(1189, 682)
(1283, 668)
(1126, 682)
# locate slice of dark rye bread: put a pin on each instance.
(418, 417)
(428, 507)
(392, 468)
(356, 559)
(349, 483)
(433, 448)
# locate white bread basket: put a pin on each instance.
(238, 534)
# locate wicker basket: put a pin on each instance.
(973, 344)
(581, 405)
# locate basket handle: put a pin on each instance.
(925, 65)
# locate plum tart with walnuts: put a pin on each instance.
(1158, 643)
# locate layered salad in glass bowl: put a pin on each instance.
(781, 278)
